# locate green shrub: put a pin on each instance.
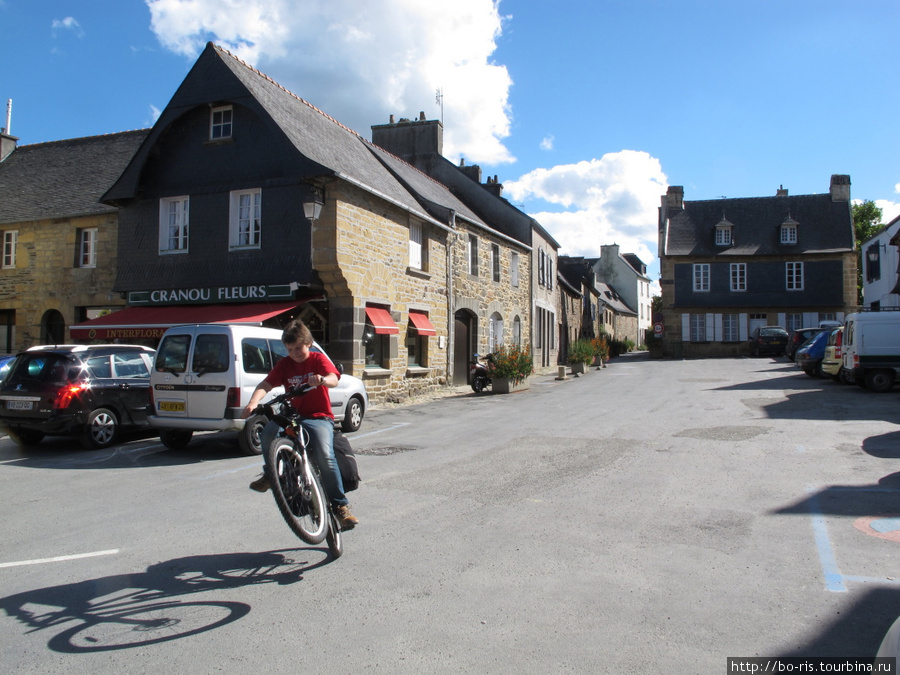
(581, 351)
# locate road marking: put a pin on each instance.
(834, 580)
(60, 558)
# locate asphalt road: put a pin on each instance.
(656, 516)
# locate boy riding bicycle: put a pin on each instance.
(303, 366)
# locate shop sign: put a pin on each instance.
(211, 295)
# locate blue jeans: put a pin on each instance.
(321, 450)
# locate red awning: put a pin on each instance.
(382, 321)
(134, 323)
(422, 324)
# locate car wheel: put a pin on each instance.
(353, 415)
(845, 376)
(249, 438)
(880, 381)
(175, 439)
(100, 429)
(26, 436)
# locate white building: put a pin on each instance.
(881, 285)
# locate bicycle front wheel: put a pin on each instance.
(297, 491)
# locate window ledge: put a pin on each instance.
(376, 372)
(416, 272)
(417, 371)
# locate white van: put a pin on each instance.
(204, 375)
(871, 349)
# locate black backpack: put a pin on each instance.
(346, 460)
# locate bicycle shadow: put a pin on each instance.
(135, 610)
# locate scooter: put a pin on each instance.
(479, 373)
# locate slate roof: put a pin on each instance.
(332, 148)
(63, 179)
(825, 226)
(613, 301)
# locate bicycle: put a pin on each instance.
(295, 479)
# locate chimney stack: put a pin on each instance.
(494, 186)
(675, 197)
(840, 188)
(781, 192)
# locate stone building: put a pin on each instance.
(730, 265)
(59, 240)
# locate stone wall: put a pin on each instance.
(46, 277)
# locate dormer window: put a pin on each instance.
(723, 233)
(789, 231)
(220, 123)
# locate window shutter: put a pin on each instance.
(686, 327)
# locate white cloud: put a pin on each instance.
(889, 210)
(611, 200)
(361, 62)
(67, 24)
(547, 143)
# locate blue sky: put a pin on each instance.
(586, 110)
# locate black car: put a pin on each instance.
(91, 392)
(768, 340)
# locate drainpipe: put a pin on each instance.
(451, 311)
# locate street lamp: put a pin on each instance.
(874, 251)
(312, 205)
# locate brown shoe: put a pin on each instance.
(347, 520)
(261, 484)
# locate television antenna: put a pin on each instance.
(439, 99)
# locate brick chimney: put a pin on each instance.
(840, 188)
(473, 171)
(675, 198)
(781, 191)
(409, 138)
(494, 186)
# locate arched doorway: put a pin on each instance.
(53, 328)
(465, 329)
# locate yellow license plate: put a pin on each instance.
(171, 406)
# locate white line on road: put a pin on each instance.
(60, 558)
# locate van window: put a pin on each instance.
(255, 356)
(279, 351)
(211, 354)
(172, 354)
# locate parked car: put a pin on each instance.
(871, 349)
(799, 337)
(91, 392)
(768, 340)
(832, 362)
(204, 375)
(5, 364)
(809, 356)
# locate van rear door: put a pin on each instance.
(211, 375)
(169, 379)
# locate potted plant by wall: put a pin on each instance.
(581, 355)
(601, 350)
(510, 368)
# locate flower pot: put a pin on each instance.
(579, 367)
(507, 385)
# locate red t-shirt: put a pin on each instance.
(288, 373)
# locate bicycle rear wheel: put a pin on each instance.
(297, 492)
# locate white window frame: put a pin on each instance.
(174, 224)
(221, 122)
(245, 219)
(738, 276)
(87, 247)
(731, 331)
(723, 236)
(495, 334)
(415, 245)
(793, 272)
(514, 269)
(788, 234)
(10, 242)
(701, 277)
(698, 328)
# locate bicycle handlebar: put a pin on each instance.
(266, 408)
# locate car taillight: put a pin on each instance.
(233, 399)
(65, 395)
(152, 402)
